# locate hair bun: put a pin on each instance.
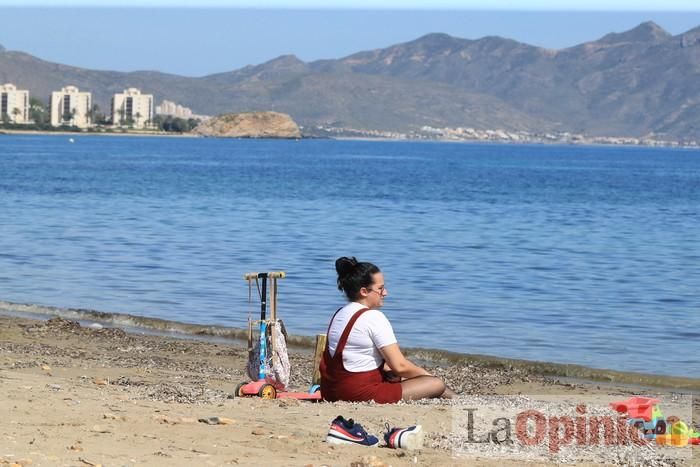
(353, 275)
(344, 266)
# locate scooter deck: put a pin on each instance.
(262, 388)
(302, 396)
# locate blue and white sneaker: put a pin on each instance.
(404, 438)
(348, 432)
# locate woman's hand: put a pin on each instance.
(391, 377)
(398, 365)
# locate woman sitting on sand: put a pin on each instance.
(362, 360)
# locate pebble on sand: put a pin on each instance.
(217, 421)
(16, 463)
(87, 462)
(165, 419)
(111, 416)
(369, 461)
(100, 429)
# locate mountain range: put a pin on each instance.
(636, 83)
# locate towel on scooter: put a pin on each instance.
(277, 368)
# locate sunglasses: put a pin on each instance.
(381, 290)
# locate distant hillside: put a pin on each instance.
(633, 83)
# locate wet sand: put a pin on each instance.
(79, 396)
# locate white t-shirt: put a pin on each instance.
(371, 332)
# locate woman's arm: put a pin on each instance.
(400, 365)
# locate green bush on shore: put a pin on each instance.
(167, 124)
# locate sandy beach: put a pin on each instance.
(80, 396)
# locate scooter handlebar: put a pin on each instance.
(271, 274)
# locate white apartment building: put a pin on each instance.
(173, 109)
(14, 104)
(69, 106)
(131, 108)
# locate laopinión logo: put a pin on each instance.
(532, 427)
(546, 425)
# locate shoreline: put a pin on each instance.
(670, 145)
(376, 139)
(432, 356)
(81, 395)
(95, 133)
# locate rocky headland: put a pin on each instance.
(250, 125)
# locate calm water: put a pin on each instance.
(566, 254)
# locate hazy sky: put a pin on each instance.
(169, 37)
(589, 5)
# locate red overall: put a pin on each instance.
(339, 384)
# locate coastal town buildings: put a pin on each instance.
(14, 104)
(172, 109)
(69, 106)
(132, 109)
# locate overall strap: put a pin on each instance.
(328, 333)
(344, 337)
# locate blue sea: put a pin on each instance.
(569, 254)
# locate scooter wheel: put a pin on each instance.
(239, 390)
(267, 391)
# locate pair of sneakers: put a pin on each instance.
(348, 432)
